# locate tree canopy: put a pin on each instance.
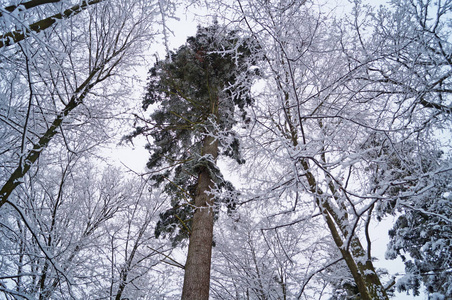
(328, 120)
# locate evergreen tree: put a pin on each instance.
(422, 237)
(194, 94)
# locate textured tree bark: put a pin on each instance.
(197, 267)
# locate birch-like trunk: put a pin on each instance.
(361, 268)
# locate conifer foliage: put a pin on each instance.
(194, 93)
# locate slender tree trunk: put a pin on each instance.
(16, 178)
(12, 37)
(28, 5)
(361, 268)
(197, 267)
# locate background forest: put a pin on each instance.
(300, 125)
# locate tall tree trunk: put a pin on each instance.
(197, 267)
(361, 268)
